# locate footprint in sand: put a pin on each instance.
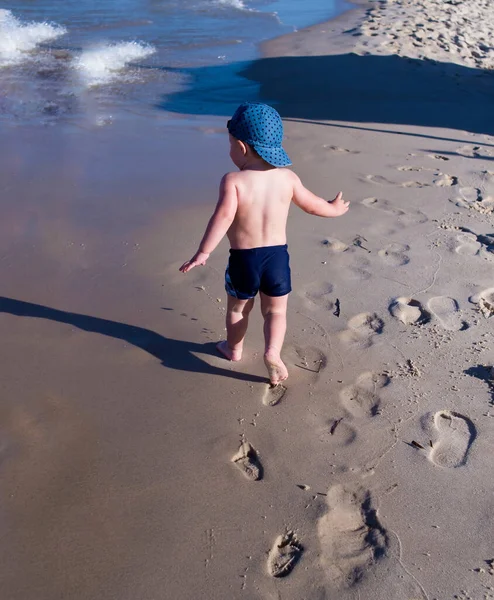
(339, 150)
(473, 151)
(338, 432)
(306, 358)
(357, 273)
(446, 180)
(447, 312)
(380, 180)
(452, 437)
(438, 157)
(469, 245)
(485, 205)
(470, 194)
(472, 244)
(309, 361)
(334, 245)
(383, 181)
(351, 536)
(248, 462)
(415, 169)
(361, 399)
(382, 205)
(485, 301)
(284, 554)
(318, 295)
(395, 254)
(414, 184)
(273, 394)
(472, 198)
(409, 168)
(409, 311)
(385, 206)
(361, 329)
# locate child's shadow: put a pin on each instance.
(174, 354)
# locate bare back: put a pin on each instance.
(263, 202)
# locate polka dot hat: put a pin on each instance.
(260, 126)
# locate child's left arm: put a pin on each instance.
(218, 224)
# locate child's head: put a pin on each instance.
(257, 129)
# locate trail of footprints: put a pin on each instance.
(352, 538)
(286, 549)
(469, 197)
(440, 179)
(444, 309)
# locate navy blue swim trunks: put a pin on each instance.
(266, 269)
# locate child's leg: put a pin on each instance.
(274, 312)
(237, 320)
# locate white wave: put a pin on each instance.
(18, 39)
(238, 4)
(241, 6)
(104, 64)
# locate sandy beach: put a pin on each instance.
(136, 463)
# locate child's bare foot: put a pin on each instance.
(276, 367)
(227, 352)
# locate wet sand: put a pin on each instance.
(137, 463)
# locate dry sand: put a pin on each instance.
(136, 463)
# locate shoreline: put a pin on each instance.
(349, 18)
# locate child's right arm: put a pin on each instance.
(219, 223)
(312, 204)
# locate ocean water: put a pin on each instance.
(92, 61)
(113, 112)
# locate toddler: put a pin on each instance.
(252, 211)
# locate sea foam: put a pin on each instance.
(104, 64)
(19, 39)
(238, 4)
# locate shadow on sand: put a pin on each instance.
(174, 354)
(485, 374)
(348, 88)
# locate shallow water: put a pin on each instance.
(99, 100)
(85, 60)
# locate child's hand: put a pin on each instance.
(339, 205)
(199, 258)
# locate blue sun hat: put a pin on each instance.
(260, 126)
